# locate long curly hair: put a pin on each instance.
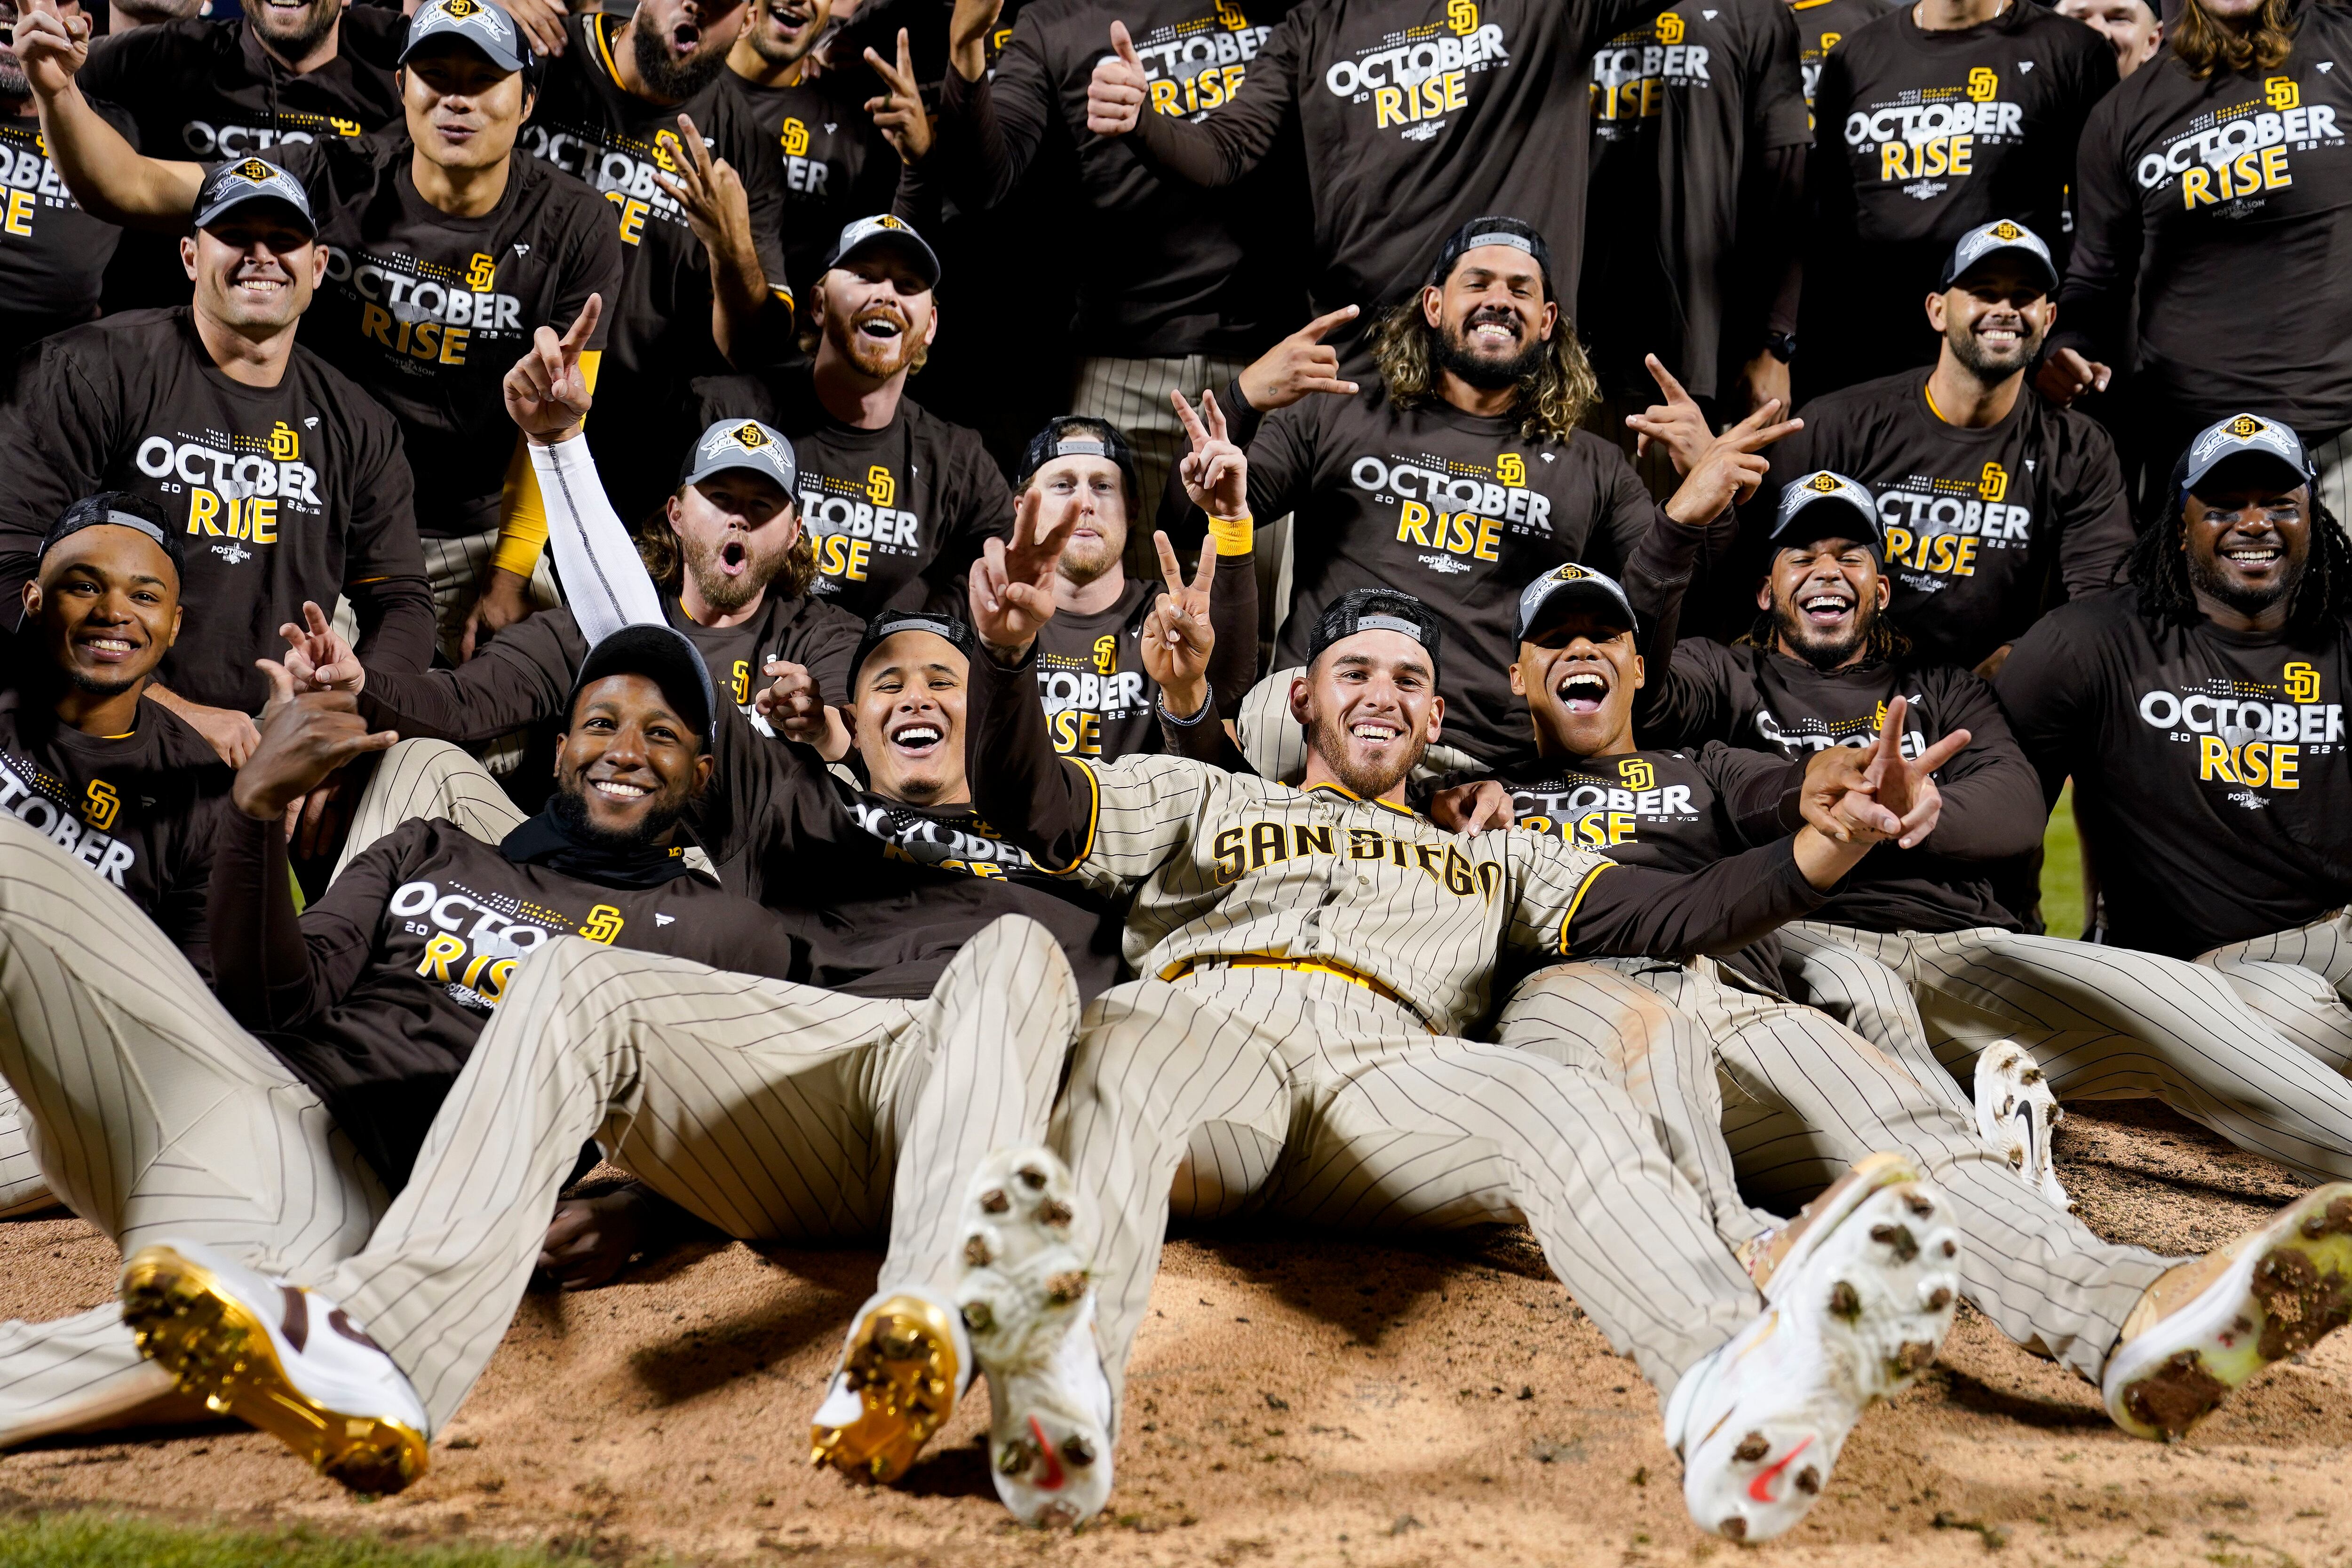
(2159, 569)
(656, 544)
(1551, 399)
(2205, 46)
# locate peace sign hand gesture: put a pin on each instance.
(1177, 636)
(1215, 472)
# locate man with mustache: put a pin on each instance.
(287, 483)
(1460, 471)
(898, 500)
(2200, 715)
(447, 251)
(54, 254)
(1996, 504)
(642, 108)
(1307, 957)
(1819, 669)
(2161, 1337)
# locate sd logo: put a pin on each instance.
(284, 445)
(1670, 28)
(253, 169)
(1637, 774)
(1460, 17)
(482, 271)
(1995, 483)
(603, 925)
(1983, 82)
(2281, 93)
(101, 803)
(751, 437)
(795, 138)
(1511, 469)
(880, 485)
(2302, 685)
(1106, 654)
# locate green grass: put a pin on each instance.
(113, 1540)
(2061, 871)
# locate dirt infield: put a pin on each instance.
(1295, 1401)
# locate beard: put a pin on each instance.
(1824, 650)
(315, 25)
(1454, 354)
(677, 79)
(149, 11)
(1989, 365)
(722, 592)
(1329, 739)
(93, 686)
(570, 804)
(2208, 577)
(880, 358)
(12, 76)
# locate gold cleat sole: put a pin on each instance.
(902, 1362)
(217, 1352)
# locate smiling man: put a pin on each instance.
(1307, 956)
(1461, 473)
(2201, 717)
(1822, 669)
(285, 482)
(445, 252)
(1995, 504)
(898, 500)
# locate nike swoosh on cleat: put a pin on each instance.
(1053, 1476)
(1759, 1488)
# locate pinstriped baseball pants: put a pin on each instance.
(2114, 1022)
(1804, 1098)
(456, 567)
(774, 1112)
(153, 1114)
(428, 779)
(1132, 393)
(1305, 1095)
(2298, 980)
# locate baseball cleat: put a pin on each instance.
(278, 1357)
(2210, 1323)
(1029, 1305)
(1780, 1252)
(1855, 1317)
(904, 1364)
(2015, 1114)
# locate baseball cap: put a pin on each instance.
(884, 232)
(1567, 588)
(1079, 435)
(890, 623)
(664, 655)
(1375, 610)
(118, 509)
(232, 185)
(481, 23)
(741, 444)
(2002, 237)
(2252, 446)
(1491, 230)
(1813, 493)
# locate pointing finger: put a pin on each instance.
(1665, 380)
(1313, 330)
(1942, 751)
(583, 326)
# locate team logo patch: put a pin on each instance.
(1995, 482)
(1670, 28)
(254, 169)
(880, 485)
(1570, 572)
(603, 924)
(1106, 654)
(794, 138)
(481, 272)
(2282, 94)
(460, 9)
(1983, 83)
(2302, 685)
(1230, 17)
(1824, 483)
(1637, 772)
(886, 221)
(1511, 469)
(751, 437)
(99, 803)
(2245, 426)
(284, 445)
(2006, 230)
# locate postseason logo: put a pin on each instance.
(2250, 734)
(1416, 79)
(1195, 65)
(1935, 130)
(2243, 150)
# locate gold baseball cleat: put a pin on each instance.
(278, 1357)
(896, 1386)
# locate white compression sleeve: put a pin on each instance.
(604, 581)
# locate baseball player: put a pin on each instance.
(130, 792)
(285, 480)
(446, 250)
(2100, 1020)
(2201, 717)
(1092, 671)
(897, 498)
(1808, 1096)
(1308, 955)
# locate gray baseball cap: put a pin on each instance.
(742, 444)
(232, 185)
(884, 232)
(1567, 588)
(481, 23)
(2253, 445)
(2002, 237)
(1819, 489)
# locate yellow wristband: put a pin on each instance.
(1234, 534)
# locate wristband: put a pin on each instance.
(1208, 705)
(1234, 535)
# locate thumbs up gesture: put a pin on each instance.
(1114, 97)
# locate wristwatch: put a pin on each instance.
(1782, 346)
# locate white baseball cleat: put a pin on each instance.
(2015, 1114)
(1856, 1312)
(1029, 1306)
(2209, 1324)
(279, 1357)
(906, 1363)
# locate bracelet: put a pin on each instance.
(1233, 535)
(1208, 706)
